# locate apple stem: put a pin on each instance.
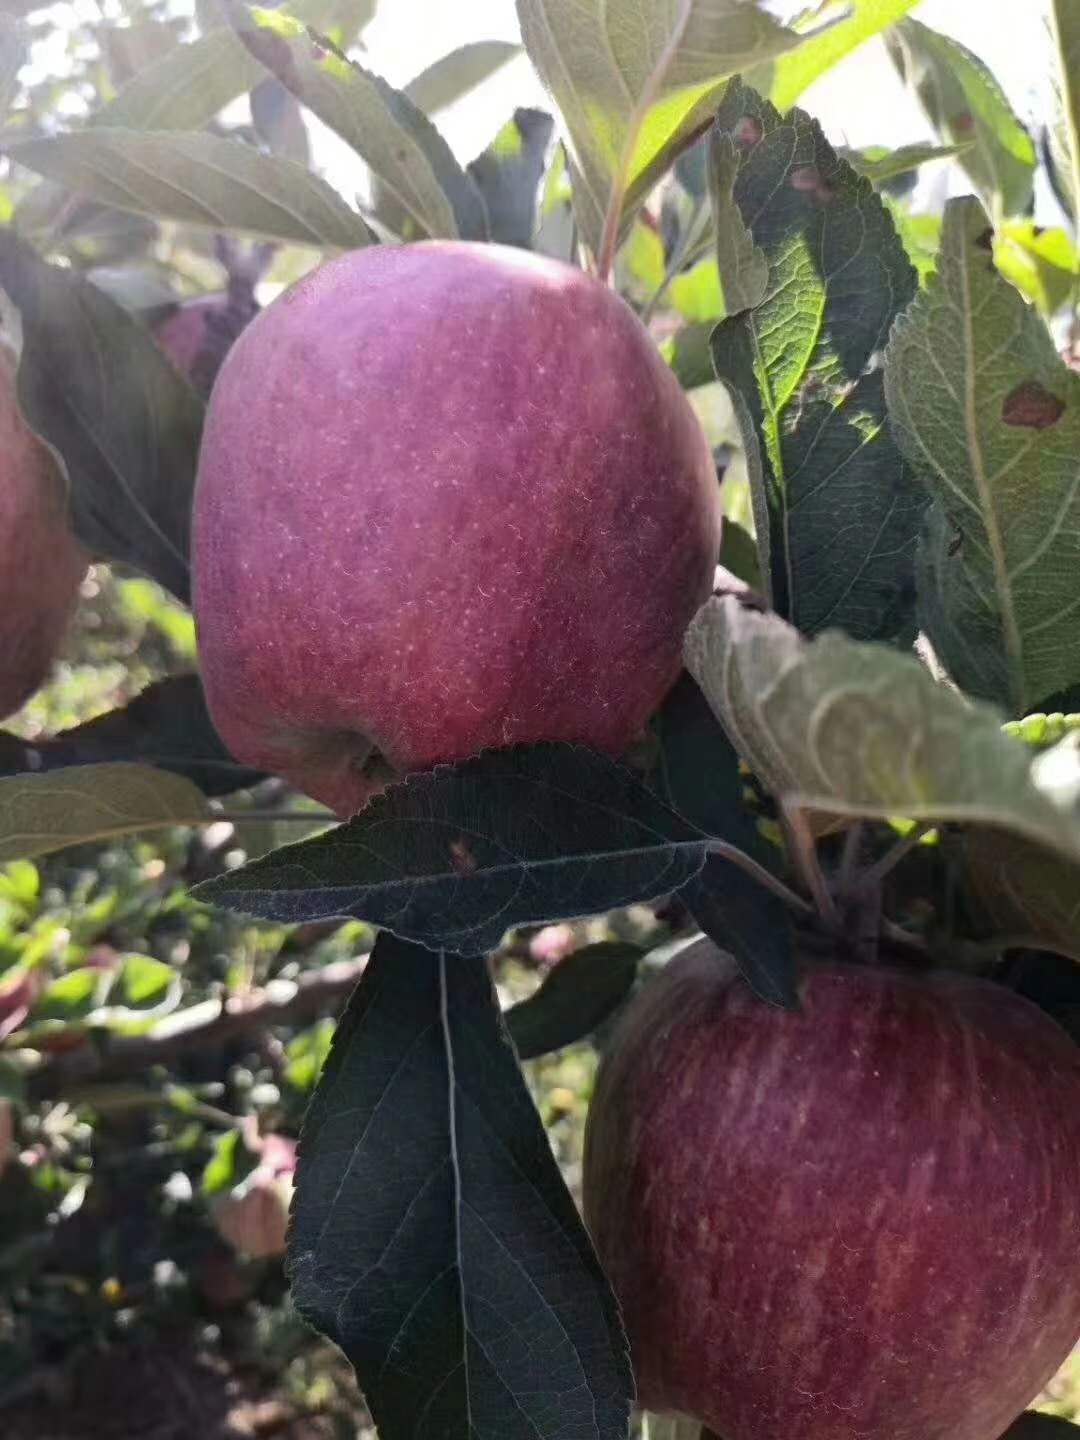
(875, 874)
(760, 874)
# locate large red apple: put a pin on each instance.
(41, 562)
(449, 497)
(856, 1222)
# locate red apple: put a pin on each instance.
(41, 562)
(197, 335)
(855, 1222)
(449, 497)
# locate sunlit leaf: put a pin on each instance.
(794, 73)
(1044, 264)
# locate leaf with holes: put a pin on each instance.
(964, 103)
(581, 992)
(446, 1256)
(836, 505)
(849, 729)
(393, 135)
(457, 856)
(198, 180)
(167, 726)
(980, 402)
(636, 82)
(42, 813)
(93, 383)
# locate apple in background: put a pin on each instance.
(197, 334)
(855, 1222)
(449, 497)
(41, 562)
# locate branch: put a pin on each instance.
(114, 1057)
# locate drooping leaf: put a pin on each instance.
(393, 135)
(508, 176)
(862, 730)
(198, 180)
(93, 383)
(880, 164)
(451, 76)
(447, 1258)
(1043, 264)
(193, 83)
(789, 76)
(458, 856)
(167, 726)
(836, 505)
(982, 405)
(965, 103)
(12, 55)
(635, 83)
(41, 813)
(1065, 133)
(578, 996)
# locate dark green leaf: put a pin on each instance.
(459, 855)
(454, 75)
(604, 60)
(966, 104)
(578, 996)
(400, 144)
(1035, 1426)
(444, 1253)
(167, 726)
(198, 180)
(689, 354)
(836, 506)
(982, 405)
(93, 383)
(749, 922)
(739, 554)
(508, 176)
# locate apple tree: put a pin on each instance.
(451, 529)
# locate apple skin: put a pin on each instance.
(856, 1222)
(449, 497)
(41, 562)
(196, 335)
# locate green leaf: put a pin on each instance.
(1042, 263)
(96, 387)
(454, 75)
(836, 506)
(394, 137)
(229, 1164)
(187, 87)
(1024, 890)
(794, 73)
(981, 403)
(697, 294)
(1040, 730)
(689, 354)
(13, 49)
(1065, 134)
(843, 728)
(508, 176)
(143, 983)
(197, 180)
(965, 103)
(635, 83)
(580, 993)
(456, 856)
(447, 1261)
(71, 996)
(641, 262)
(920, 236)
(880, 164)
(41, 813)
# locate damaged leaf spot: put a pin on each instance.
(749, 131)
(1032, 406)
(809, 180)
(963, 124)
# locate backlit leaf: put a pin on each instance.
(794, 73)
(451, 76)
(1065, 133)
